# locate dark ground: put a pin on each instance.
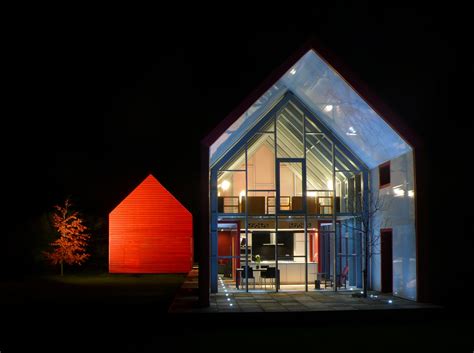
(122, 313)
(144, 328)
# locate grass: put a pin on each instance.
(93, 289)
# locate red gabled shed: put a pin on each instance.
(150, 231)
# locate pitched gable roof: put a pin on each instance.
(344, 104)
(154, 192)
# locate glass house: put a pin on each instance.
(306, 186)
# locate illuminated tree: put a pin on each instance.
(370, 237)
(70, 247)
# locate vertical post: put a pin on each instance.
(246, 223)
(366, 224)
(277, 201)
(334, 227)
(213, 231)
(305, 208)
(205, 229)
(306, 252)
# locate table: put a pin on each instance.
(261, 269)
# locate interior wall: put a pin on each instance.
(398, 213)
(261, 175)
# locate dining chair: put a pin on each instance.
(249, 274)
(270, 274)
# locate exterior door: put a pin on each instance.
(386, 260)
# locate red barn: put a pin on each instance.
(150, 232)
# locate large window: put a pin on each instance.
(286, 183)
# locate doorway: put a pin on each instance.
(228, 249)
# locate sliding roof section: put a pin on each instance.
(334, 102)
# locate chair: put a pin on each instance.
(249, 273)
(342, 278)
(270, 273)
(325, 278)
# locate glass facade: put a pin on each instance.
(284, 187)
(295, 200)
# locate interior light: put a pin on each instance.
(293, 71)
(228, 299)
(397, 192)
(230, 304)
(330, 185)
(227, 294)
(411, 193)
(225, 185)
(328, 108)
(242, 194)
(352, 131)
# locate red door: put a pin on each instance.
(387, 260)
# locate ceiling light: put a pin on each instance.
(330, 184)
(225, 185)
(352, 131)
(328, 108)
(293, 71)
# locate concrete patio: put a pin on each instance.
(230, 300)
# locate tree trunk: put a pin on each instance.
(62, 270)
(366, 264)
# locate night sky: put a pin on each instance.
(105, 96)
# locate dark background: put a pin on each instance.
(101, 97)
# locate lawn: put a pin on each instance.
(93, 289)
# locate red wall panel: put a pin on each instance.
(224, 243)
(150, 232)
